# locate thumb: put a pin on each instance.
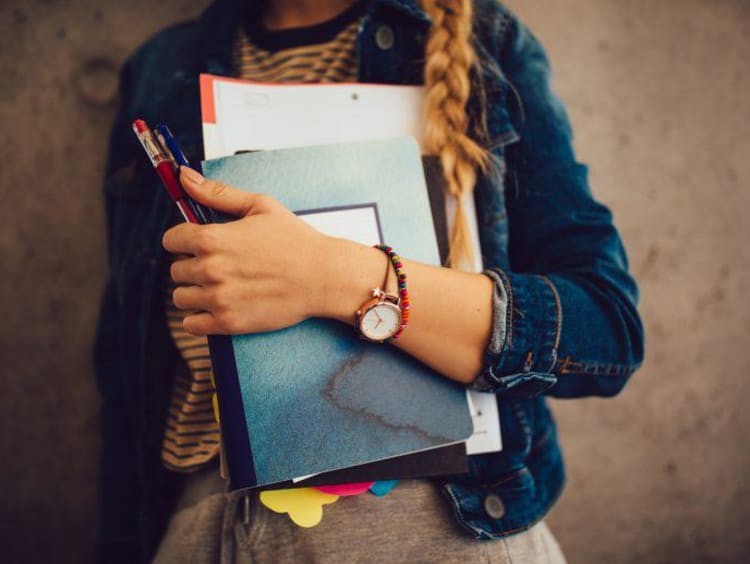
(217, 195)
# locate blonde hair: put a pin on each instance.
(449, 59)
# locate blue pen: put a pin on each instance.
(204, 214)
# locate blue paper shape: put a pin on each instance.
(383, 487)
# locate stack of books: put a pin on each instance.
(313, 404)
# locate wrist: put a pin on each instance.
(349, 273)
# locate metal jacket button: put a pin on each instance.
(494, 506)
(384, 37)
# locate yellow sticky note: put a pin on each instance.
(214, 398)
(215, 403)
(304, 505)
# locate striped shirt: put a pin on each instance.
(320, 53)
(332, 61)
(192, 436)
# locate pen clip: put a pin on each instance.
(152, 147)
(166, 150)
(169, 141)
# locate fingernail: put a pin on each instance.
(192, 175)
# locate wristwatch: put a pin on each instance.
(380, 316)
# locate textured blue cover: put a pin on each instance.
(316, 397)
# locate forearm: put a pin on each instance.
(451, 311)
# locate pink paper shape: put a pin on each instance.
(346, 489)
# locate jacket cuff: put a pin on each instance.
(522, 349)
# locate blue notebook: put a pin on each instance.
(314, 397)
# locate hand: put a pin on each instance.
(264, 271)
(268, 270)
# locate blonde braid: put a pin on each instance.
(449, 57)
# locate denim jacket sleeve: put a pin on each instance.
(565, 317)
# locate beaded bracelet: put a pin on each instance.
(403, 293)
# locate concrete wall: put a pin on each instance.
(658, 95)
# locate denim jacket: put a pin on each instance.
(565, 318)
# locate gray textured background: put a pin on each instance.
(658, 95)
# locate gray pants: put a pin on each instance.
(411, 524)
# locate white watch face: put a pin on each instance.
(381, 321)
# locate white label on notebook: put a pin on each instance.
(356, 223)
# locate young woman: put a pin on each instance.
(552, 313)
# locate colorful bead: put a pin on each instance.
(403, 292)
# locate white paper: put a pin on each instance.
(257, 116)
(485, 416)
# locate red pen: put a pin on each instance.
(163, 168)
